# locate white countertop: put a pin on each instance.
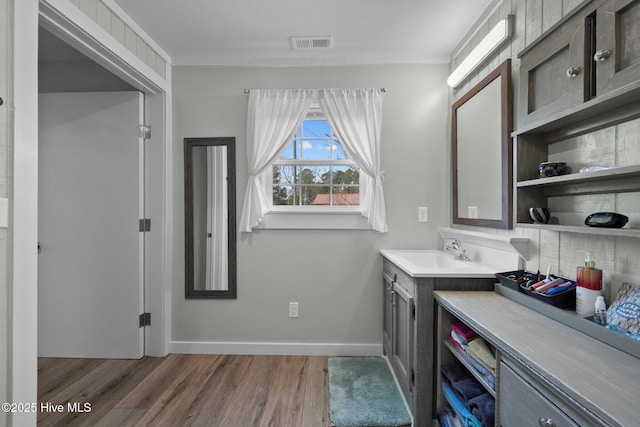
(436, 263)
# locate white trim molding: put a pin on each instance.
(276, 348)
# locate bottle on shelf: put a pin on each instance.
(589, 280)
(600, 311)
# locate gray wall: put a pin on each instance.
(616, 256)
(334, 275)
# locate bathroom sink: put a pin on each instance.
(433, 259)
(436, 263)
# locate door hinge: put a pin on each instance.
(145, 319)
(145, 131)
(145, 225)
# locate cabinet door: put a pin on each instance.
(387, 314)
(554, 74)
(617, 54)
(402, 335)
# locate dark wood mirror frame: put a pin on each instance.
(503, 72)
(190, 289)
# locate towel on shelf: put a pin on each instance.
(460, 339)
(467, 389)
(485, 373)
(483, 407)
(453, 372)
(454, 339)
(479, 350)
(467, 418)
(463, 330)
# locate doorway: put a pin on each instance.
(90, 199)
(63, 68)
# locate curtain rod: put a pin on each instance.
(382, 89)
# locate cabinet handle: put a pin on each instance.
(601, 55)
(573, 72)
(546, 422)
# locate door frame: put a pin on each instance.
(65, 20)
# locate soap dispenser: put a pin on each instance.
(589, 286)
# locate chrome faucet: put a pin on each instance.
(456, 247)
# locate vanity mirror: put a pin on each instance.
(210, 217)
(482, 154)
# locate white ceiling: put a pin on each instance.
(256, 32)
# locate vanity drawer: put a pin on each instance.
(525, 403)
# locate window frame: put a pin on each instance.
(309, 216)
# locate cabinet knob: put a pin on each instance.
(573, 72)
(546, 422)
(601, 55)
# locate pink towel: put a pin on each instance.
(463, 330)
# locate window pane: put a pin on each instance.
(346, 175)
(338, 152)
(345, 196)
(316, 149)
(316, 129)
(285, 174)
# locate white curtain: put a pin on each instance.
(273, 117)
(217, 220)
(355, 116)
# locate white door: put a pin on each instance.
(90, 196)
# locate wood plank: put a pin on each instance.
(254, 387)
(284, 406)
(315, 409)
(188, 390)
(173, 407)
(150, 390)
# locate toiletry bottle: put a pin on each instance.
(600, 312)
(589, 286)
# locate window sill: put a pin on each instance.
(319, 220)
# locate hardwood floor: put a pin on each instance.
(185, 390)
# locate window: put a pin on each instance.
(314, 180)
(315, 170)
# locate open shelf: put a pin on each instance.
(457, 353)
(583, 229)
(618, 173)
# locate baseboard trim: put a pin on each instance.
(270, 348)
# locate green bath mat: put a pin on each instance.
(362, 393)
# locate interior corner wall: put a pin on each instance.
(334, 275)
(560, 250)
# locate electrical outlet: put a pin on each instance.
(423, 214)
(293, 309)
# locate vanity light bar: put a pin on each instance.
(498, 35)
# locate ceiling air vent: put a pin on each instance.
(317, 42)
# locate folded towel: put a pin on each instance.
(483, 407)
(459, 338)
(468, 389)
(454, 339)
(453, 372)
(463, 330)
(479, 350)
(485, 373)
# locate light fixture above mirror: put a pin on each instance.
(500, 33)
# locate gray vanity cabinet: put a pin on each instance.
(408, 333)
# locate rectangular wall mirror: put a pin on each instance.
(482, 154)
(210, 218)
